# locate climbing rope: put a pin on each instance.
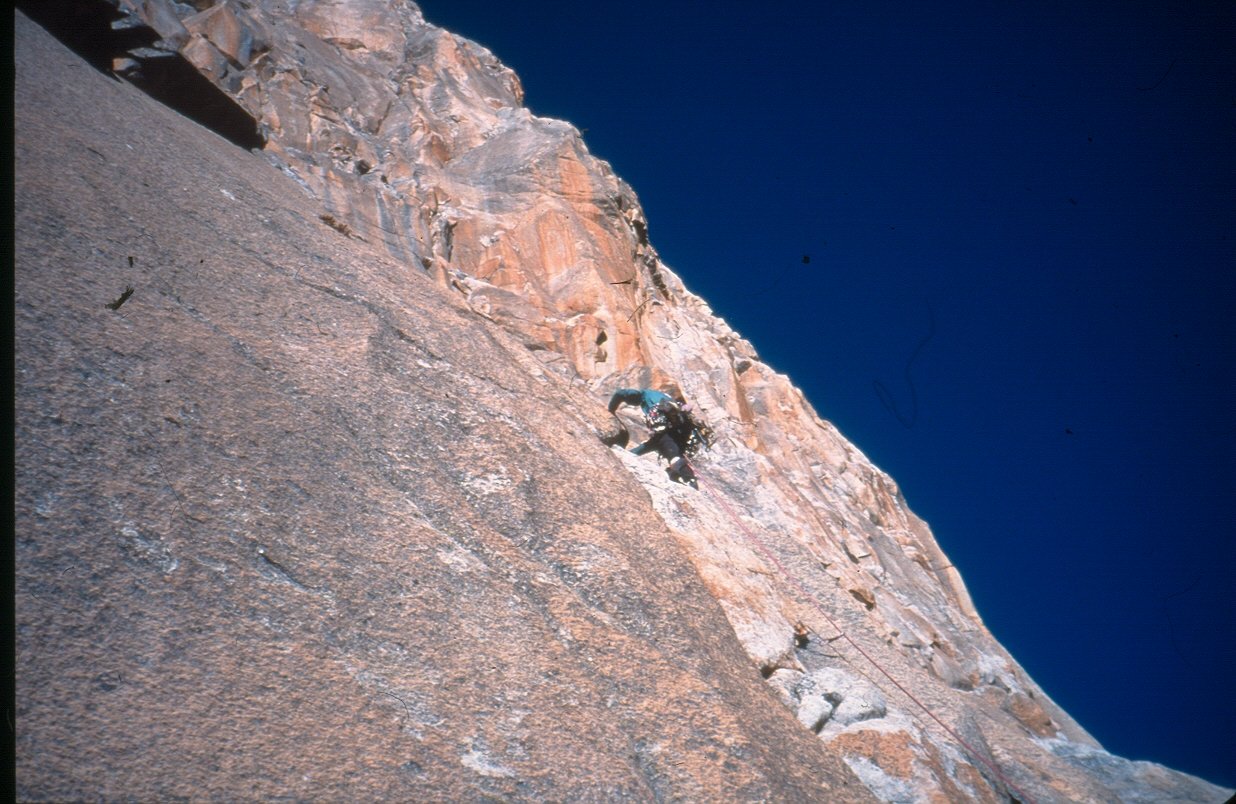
(819, 606)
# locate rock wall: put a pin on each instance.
(294, 521)
(319, 508)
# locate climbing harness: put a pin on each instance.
(819, 606)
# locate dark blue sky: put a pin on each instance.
(1021, 231)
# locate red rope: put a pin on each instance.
(789, 576)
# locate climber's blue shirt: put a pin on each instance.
(646, 398)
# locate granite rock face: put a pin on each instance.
(295, 521)
(313, 498)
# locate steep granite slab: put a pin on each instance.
(294, 521)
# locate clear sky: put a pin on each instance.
(995, 244)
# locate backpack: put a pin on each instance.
(690, 433)
(665, 415)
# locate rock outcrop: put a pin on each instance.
(310, 494)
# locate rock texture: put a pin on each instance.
(294, 521)
(310, 495)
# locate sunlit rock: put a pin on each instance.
(330, 505)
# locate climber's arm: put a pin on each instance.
(625, 396)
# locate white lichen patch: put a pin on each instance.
(148, 549)
(488, 483)
(480, 762)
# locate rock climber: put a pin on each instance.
(675, 431)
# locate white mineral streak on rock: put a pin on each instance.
(415, 138)
(887, 788)
(483, 764)
(488, 483)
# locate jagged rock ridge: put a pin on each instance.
(463, 414)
